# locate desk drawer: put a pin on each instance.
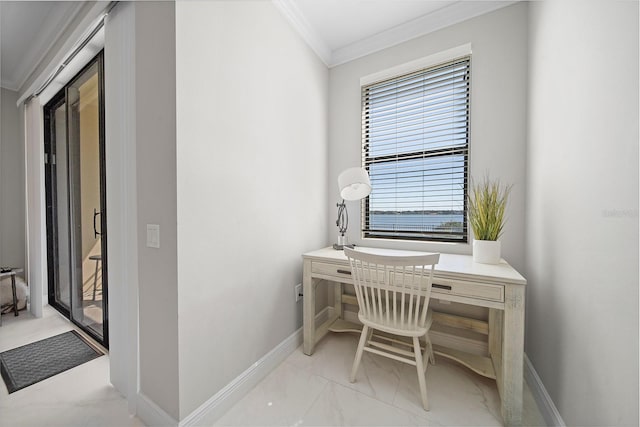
(333, 270)
(468, 289)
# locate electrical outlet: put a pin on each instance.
(298, 291)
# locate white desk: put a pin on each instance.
(458, 279)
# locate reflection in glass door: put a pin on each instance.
(75, 184)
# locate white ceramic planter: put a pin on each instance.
(486, 251)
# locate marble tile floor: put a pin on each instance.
(81, 396)
(301, 391)
(315, 391)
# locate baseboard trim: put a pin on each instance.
(151, 414)
(546, 406)
(222, 401)
(324, 315)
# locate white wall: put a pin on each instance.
(252, 173)
(155, 127)
(498, 116)
(122, 216)
(582, 208)
(12, 190)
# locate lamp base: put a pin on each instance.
(338, 247)
(343, 241)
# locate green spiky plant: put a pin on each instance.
(487, 204)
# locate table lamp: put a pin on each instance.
(354, 184)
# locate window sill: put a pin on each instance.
(416, 245)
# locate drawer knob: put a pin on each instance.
(445, 287)
(344, 272)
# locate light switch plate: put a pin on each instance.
(153, 235)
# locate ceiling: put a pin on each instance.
(28, 29)
(337, 30)
(334, 19)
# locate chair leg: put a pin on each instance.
(356, 361)
(95, 280)
(420, 368)
(429, 350)
(426, 357)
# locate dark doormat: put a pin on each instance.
(32, 363)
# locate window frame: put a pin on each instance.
(433, 62)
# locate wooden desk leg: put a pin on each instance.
(308, 309)
(513, 355)
(496, 322)
(337, 299)
(15, 297)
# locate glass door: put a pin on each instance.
(57, 202)
(76, 200)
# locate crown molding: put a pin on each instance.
(9, 84)
(292, 13)
(437, 20)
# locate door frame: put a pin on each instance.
(54, 103)
(50, 215)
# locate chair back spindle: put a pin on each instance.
(393, 290)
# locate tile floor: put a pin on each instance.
(81, 396)
(316, 391)
(301, 391)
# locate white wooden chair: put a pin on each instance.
(393, 295)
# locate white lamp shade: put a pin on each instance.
(354, 184)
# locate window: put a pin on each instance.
(415, 142)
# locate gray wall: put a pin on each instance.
(12, 189)
(498, 116)
(252, 166)
(582, 208)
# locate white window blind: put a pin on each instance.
(415, 141)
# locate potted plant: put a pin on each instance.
(487, 204)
